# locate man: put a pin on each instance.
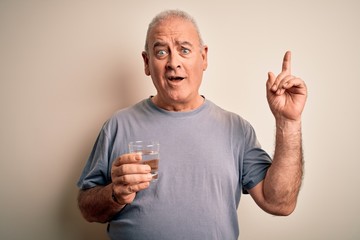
(208, 155)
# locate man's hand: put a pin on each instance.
(129, 177)
(286, 93)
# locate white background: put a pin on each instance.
(66, 66)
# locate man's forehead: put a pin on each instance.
(179, 31)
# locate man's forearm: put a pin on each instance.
(283, 180)
(97, 205)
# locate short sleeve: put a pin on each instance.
(255, 162)
(95, 171)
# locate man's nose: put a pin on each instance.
(173, 61)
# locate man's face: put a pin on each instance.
(175, 61)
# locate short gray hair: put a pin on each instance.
(167, 14)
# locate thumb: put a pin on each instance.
(270, 81)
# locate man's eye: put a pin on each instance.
(185, 51)
(161, 53)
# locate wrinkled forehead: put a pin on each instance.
(174, 29)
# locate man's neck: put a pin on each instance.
(178, 106)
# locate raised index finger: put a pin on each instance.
(286, 66)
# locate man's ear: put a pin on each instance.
(146, 63)
(204, 56)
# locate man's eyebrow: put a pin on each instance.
(159, 44)
(181, 43)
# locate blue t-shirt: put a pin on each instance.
(207, 157)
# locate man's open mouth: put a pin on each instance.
(175, 78)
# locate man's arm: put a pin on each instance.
(97, 204)
(277, 193)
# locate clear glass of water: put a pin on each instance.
(150, 154)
